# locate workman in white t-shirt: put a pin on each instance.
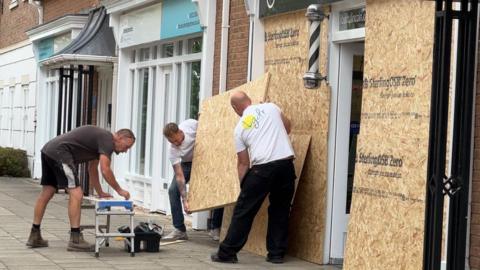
(265, 166)
(182, 141)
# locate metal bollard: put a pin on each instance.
(312, 77)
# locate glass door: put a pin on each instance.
(166, 111)
(348, 126)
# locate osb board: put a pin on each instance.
(214, 178)
(390, 174)
(286, 59)
(256, 240)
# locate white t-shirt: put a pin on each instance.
(184, 152)
(261, 130)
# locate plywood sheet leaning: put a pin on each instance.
(256, 239)
(214, 178)
(392, 150)
(286, 59)
(286, 51)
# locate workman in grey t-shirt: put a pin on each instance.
(60, 158)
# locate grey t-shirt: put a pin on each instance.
(80, 145)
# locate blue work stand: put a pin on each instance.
(108, 208)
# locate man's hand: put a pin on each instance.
(124, 194)
(103, 194)
(186, 207)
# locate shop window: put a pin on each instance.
(194, 89)
(351, 19)
(133, 56)
(144, 54)
(195, 45)
(154, 52)
(26, 92)
(180, 47)
(167, 50)
(142, 120)
(12, 93)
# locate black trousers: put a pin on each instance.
(276, 178)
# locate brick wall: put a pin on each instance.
(475, 218)
(14, 22)
(54, 9)
(216, 53)
(237, 66)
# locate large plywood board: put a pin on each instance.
(214, 178)
(257, 238)
(286, 59)
(392, 150)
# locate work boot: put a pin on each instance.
(77, 243)
(35, 239)
(175, 235)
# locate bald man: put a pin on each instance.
(265, 166)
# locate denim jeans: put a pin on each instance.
(217, 217)
(175, 200)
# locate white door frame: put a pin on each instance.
(337, 38)
(341, 152)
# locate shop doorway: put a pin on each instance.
(348, 125)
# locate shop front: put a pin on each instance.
(161, 78)
(361, 196)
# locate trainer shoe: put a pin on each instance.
(175, 235)
(35, 239)
(215, 234)
(77, 243)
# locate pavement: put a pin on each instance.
(17, 198)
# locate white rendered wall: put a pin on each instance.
(17, 100)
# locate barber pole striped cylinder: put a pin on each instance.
(312, 76)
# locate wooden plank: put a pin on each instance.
(257, 238)
(392, 150)
(214, 179)
(308, 109)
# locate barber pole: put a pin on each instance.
(315, 17)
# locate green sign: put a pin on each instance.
(273, 7)
(45, 48)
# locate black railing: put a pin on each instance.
(457, 185)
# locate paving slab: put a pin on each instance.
(17, 199)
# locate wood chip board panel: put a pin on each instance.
(214, 178)
(386, 225)
(286, 59)
(257, 238)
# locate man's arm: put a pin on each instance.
(177, 169)
(180, 178)
(243, 164)
(286, 122)
(110, 178)
(94, 179)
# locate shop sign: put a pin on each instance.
(45, 48)
(49, 46)
(352, 19)
(180, 17)
(273, 7)
(140, 26)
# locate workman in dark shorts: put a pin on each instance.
(60, 158)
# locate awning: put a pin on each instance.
(95, 45)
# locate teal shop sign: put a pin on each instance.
(179, 18)
(45, 48)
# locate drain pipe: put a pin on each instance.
(38, 5)
(224, 46)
